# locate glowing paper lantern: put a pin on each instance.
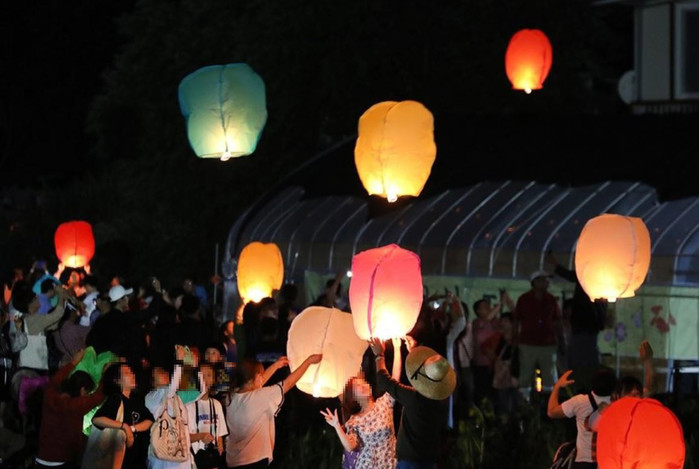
(260, 271)
(641, 434)
(385, 292)
(328, 331)
(528, 59)
(225, 109)
(395, 148)
(612, 256)
(75, 243)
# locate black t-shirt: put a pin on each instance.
(135, 411)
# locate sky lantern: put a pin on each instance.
(260, 271)
(225, 109)
(395, 149)
(328, 331)
(385, 292)
(641, 434)
(528, 59)
(612, 256)
(75, 243)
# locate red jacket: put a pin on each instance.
(537, 318)
(61, 437)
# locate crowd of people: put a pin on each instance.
(169, 386)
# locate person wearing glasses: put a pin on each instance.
(425, 403)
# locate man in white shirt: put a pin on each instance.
(581, 406)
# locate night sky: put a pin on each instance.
(89, 94)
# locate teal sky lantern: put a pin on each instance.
(225, 109)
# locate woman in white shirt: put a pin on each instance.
(162, 385)
(250, 414)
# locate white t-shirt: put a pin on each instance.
(204, 423)
(250, 419)
(579, 406)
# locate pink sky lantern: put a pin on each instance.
(385, 292)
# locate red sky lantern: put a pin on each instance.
(528, 59)
(639, 433)
(385, 292)
(75, 243)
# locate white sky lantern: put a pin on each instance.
(385, 292)
(328, 331)
(225, 109)
(612, 256)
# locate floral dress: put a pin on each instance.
(375, 436)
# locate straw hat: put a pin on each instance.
(430, 373)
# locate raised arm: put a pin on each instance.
(646, 353)
(349, 441)
(554, 410)
(296, 375)
(397, 360)
(271, 369)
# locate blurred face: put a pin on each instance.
(188, 286)
(212, 355)
(230, 329)
(635, 393)
(208, 376)
(361, 390)
(483, 309)
(541, 283)
(161, 377)
(127, 380)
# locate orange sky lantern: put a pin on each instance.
(612, 256)
(385, 292)
(395, 149)
(75, 243)
(260, 271)
(641, 434)
(528, 59)
(328, 331)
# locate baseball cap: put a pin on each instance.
(117, 292)
(539, 273)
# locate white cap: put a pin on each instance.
(539, 273)
(117, 292)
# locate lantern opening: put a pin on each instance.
(75, 262)
(256, 293)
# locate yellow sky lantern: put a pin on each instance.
(328, 331)
(385, 292)
(260, 271)
(612, 256)
(395, 149)
(528, 59)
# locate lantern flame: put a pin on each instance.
(226, 156)
(528, 90)
(391, 197)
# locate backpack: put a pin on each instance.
(12, 340)
(565, 456)
(566, 452)
(169, 435)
